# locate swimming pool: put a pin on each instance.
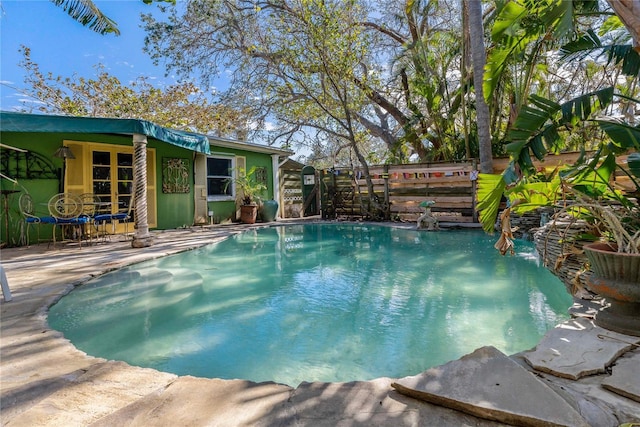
(316, 302)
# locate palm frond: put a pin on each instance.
(537, 127)
(633, 161)
(590, 44)
(87, 13)
(623, 135)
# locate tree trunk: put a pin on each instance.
(464, 62)
(478, 54)
(629, 13)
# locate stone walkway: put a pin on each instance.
(583, 375)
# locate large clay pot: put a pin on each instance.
(616, 277)
(248, 214)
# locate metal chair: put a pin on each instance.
(67, 209)
(123, 216)
(91, 206)
(27, 210)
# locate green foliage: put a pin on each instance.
(623, 135)
(537, 129)
(633, 161)
(183, 106)
(521, 28)
(88, 14)
(534, 193)
(249, 188)
(589, 44)
(489, 193)
(588, 179)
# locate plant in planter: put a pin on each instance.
(250, 192)
(614, 262)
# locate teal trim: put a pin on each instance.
(23, 122)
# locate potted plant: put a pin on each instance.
(249, 191)
(614, 264)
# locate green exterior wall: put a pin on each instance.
(173, 210)
(225, 211)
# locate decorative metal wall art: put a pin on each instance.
(261, 175)
(175, 175)
(26, 165)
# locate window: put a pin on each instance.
(106, 170)
(219, 178)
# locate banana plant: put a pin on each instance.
(540, 129)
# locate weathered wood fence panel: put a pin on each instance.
(402, 188)
(452, 186)
(291, 193)
(338, 194)
(449, 185)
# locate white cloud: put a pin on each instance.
(31, 101)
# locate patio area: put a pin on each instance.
(46, 381)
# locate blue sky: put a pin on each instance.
(63, 47)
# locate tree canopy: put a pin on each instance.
(180, 106)
(387, 81)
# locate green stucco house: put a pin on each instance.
(173, 178)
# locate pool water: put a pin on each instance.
(317, 302)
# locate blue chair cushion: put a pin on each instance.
(73, 221)
(120, 216)
(110, 217)
(41, 220)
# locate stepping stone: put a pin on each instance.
(490, 385)
(578, 348)
(625, 377)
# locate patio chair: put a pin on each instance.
(91, 206)
(122, 216)
(67, 209)
(29, 216)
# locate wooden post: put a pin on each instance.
(323, 195)
(473, 174)
(387, 204)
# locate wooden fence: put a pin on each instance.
(400, 189)
(291, 193)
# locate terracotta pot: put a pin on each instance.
(616, 277)
(248, 214)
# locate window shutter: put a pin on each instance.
(75, 177)
(241, 169)
(200, 189)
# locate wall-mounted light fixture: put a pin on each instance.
(63, 153)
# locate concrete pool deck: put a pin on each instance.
(591, 374)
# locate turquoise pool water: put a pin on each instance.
(321, 302)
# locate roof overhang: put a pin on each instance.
(248, 146)
(24, 122)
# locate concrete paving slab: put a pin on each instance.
(46, 381)
(190, 401)
(578, 348)
(82, 397)
(488, 384)
(625, 377)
